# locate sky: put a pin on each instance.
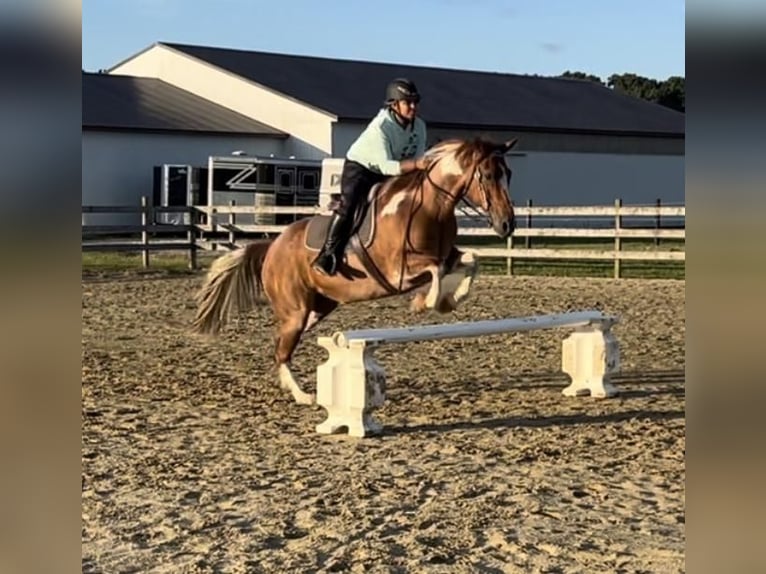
(546, 37)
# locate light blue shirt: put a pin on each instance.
(384, 143)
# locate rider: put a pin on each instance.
(388, 146)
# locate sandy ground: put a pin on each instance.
(194, 460)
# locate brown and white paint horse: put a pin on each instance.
(413, 251)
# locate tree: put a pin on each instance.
(634, 85)
(670, 93)
(582, 76)
(673, 93)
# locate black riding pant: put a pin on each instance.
(355, 183)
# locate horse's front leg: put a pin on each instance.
(457, 280)
(448, 286)
(429, 295)
(467, 267)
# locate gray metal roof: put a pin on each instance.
(354, 90)
(131, 103)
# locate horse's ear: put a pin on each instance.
(507, 146)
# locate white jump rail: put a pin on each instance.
(351, 384)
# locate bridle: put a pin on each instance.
(461, 196)
(463, 192)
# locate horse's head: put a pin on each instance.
(487, 183)
(476, 172)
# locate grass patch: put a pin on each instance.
(108, 261)
(597, 244)
(582, 268)
(177, 262)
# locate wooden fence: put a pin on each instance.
(222, 228)
(151, 235)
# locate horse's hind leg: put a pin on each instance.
(293, 326)
(320, 309)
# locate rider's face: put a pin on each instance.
(406, 109)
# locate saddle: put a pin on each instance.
(362, 226)
(361, 235)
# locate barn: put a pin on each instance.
(131, 126)
(579, 143)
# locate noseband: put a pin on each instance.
(463, 192)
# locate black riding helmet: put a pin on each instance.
(401, 89)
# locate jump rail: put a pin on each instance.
(351, 384)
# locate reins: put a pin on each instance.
(462, 194)
(416, 204)
(460, 197)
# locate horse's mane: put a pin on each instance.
(466, 152)
(411, 179)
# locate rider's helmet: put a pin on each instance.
(401, 89)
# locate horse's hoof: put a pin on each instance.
(418, 304)
(446, 305)
(305, 398)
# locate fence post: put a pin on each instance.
(213, 227)
(192, 240)
(528, 239)
(657, 223)
(617, 239)
(144, 232)
(509, 260)
(232, 223)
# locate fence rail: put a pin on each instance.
(206, 224)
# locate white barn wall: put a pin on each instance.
(576, 178)
(550, 178)
(309, 128)
(117, 167)
(343, 135)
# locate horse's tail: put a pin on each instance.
(233, 283)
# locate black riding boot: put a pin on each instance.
(332, 251)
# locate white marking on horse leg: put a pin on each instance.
(450, 284)
(393, 204)
(435, 291)
(464, 288)
(312, 320)
(468, 262)
(288, 382)
(467, 258)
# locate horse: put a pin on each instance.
(409, 250)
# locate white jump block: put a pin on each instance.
(589, 356)
(351, 384)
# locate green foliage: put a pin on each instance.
(582, 76)
(582, 268)
(109, 262)
(670, 93)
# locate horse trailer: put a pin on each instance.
(263, 182)
(246, 180)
